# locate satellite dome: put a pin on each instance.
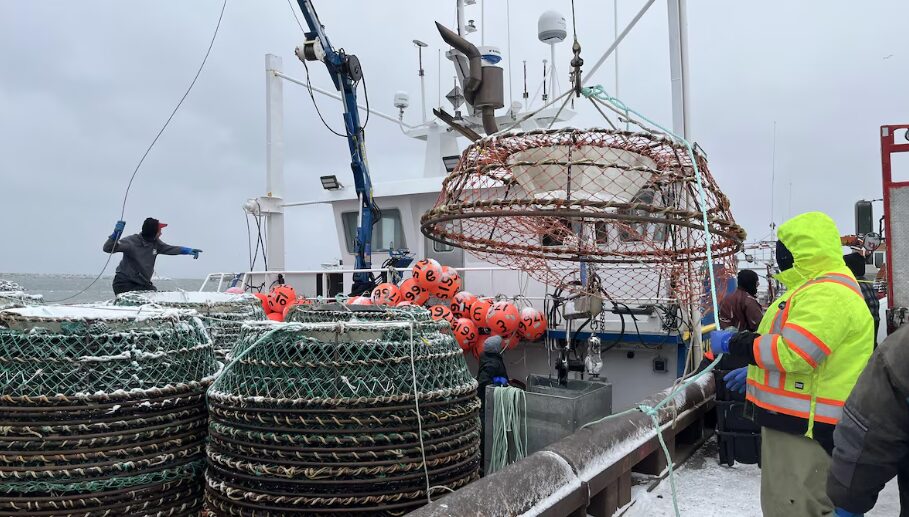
(552, 27)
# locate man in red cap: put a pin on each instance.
(139, 253)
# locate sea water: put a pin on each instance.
(56, 287)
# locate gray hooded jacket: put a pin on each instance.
(139, 254)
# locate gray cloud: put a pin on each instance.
(84, 86)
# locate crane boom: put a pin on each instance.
(345, 72)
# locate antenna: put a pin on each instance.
(545, 96)
(773, 181)
(552, 29)
(526, 94)
(420, 46)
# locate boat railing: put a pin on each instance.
(589, 472)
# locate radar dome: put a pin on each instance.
(552, 27)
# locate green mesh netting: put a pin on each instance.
(102, 410)
(320, 416)
(222, 313)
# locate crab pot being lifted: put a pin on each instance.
(612, 213)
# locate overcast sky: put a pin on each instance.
(84, 87)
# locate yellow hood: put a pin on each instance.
(815, 245)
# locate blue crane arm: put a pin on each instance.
(345, 73)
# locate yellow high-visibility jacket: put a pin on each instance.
(815, 339)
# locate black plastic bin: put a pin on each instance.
(738, 437)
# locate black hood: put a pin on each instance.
(150, 229)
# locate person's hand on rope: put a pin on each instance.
(118, 230)
(736, 379)
(719, 341)
(191, 251)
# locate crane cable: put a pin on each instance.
(149, 148)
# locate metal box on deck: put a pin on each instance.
(553, 411)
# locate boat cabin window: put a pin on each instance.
(441, 247)
(387, 234)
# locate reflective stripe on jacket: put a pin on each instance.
(817, 337)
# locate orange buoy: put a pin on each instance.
(479, 312)
(441, 312)
(533, 324)
(461, 304)
(412, 292)
(386, 294)
(503, 318)
(449, 284)
(465, 332)
(280, 297)
(427, 273)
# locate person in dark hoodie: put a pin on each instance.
(139, 253)
(856, 264)
(872, 439)
(741, 309)
(492, 366)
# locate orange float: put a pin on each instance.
(427, 273)
(465, 332)
(280, 297)
(441, 312)
(449, 284)
(412, 292)
(386, 294)
(503, 318)
(533, 324)
(264, 299)
(274, 316)
(461, 304)
(479, 312)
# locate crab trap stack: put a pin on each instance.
(14, 295)
(103, 411)
(222, 313)
(344, 411)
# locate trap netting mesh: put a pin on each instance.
(604, 211)
(320, 418)
(102, 410)
(222, 313)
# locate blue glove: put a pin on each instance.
(735, 380)
(839, 512)
(190, 251)
(719, 341)
(118, 230)
(500, 381)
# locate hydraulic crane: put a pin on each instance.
(345, 72)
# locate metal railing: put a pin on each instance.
(589, 472)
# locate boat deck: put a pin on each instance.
(707, 489)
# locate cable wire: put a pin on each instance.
(149, 148)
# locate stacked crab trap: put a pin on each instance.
(362, 410)
(222, 313)
(103, 411)
(14, 295)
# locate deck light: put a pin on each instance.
(331, 182)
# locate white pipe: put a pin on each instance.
(338, 97)
(274, 153)
(618, 40)
(678, 68)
